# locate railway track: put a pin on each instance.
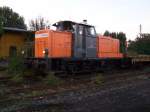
(44, 104)
(81, 78)
(75, 80)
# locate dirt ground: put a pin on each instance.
(124, 94)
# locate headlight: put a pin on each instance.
(44, 52)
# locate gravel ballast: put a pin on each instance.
(124, 96)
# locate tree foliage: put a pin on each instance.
(114, 34)
(107, 33)
(1, 27)
(38, 24)
(121, 36)
(140, 45)
(9, 18)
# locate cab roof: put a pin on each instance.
(72, 22)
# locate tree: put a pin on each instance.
(113, 35)
(1, 28)
(107, 33)
(122, 37)
(140, 45)
(9, 18)
(38, 24)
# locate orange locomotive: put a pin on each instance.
(75, 47)
(108, 47)
(57, 43)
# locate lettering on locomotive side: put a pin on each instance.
(42, 35)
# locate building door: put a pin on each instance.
(12, 51)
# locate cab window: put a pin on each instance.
(90, 31)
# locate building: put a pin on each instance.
(13, 40)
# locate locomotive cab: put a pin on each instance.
(83, 38)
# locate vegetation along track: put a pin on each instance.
(77, 79)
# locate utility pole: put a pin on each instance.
(140, 31)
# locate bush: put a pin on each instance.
(16, 65)
(16, 69)
(52, 80)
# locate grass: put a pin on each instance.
(52, 80)
(17, 78)
(98, 80)
(34, 93)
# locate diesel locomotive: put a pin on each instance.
(75, 47)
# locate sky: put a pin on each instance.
(112, 15)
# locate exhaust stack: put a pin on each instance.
(85, 21)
